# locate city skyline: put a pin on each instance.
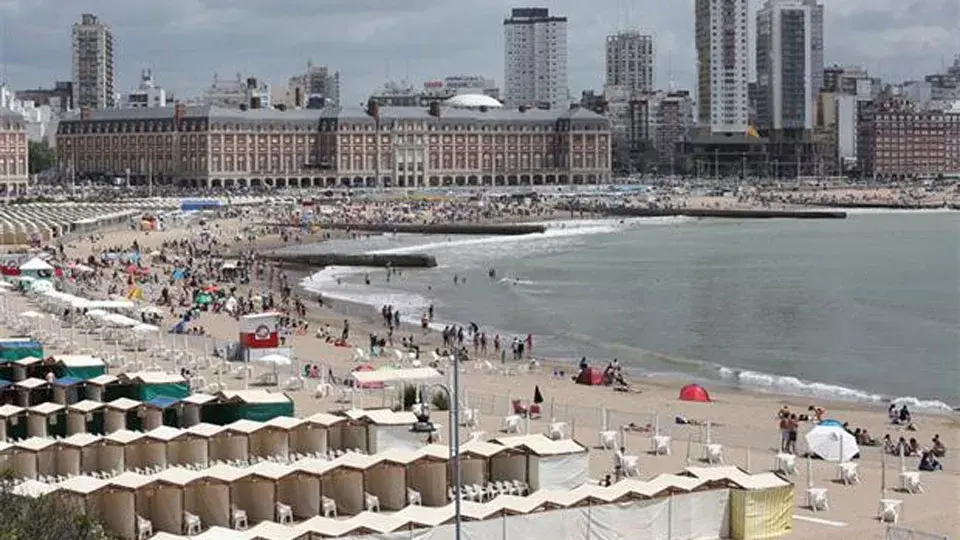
(186, 42)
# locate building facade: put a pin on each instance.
(93, 64)
(535, 59)
(404, 94)
(853, 80)
(58, 98)
(14, 154)
(786, 91)
(333, 147)
(317, 82)
(630, 59)
(898, 140)
(721, 42)
(148, 94)
(246, 93)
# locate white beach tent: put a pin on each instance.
(373, 430)
(203, 495)
(39, 417)
(160, 444)
(10, 416)
(76, 451)
(264, 439)
(301, 489)
(124, 443)
(225, 444)
(307, 436)
(560, 464)
(832, 443)
(387, 478)
(475, 462)
(34, 457)
(96, 386)
(115, 415)
(119, 505)
(191, 406)
(80, 415)
(256, 493)
(430, 474)
(343, 482)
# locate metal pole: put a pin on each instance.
(455, 413)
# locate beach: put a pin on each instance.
(743, 421)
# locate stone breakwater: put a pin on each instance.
(319, 260)
(438, 228)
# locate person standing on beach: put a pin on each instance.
(529, 345)
(496, 344)
(784, 433)
(345, 335)
(793, 426)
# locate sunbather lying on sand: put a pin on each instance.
(638, 428)
(682, 420)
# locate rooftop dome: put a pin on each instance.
(473, 101)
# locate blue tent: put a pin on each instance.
(830, 422)
(4, 383)
(162, 402)
(68, 381)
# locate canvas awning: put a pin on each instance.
(386, 376)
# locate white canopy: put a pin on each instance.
(832, 443)
(411, 375)
(275, 359)
(36, 264)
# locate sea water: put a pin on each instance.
(866, 308)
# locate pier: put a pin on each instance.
(493, 229)
(398, 260)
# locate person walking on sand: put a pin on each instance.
(345, 335)
(529, 347)
(496, 344)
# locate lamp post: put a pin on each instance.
(424, 425)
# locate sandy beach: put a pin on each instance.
(743, 422)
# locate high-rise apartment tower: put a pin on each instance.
(535, 59)
(630, 61)
(93, 67)
(721, 42)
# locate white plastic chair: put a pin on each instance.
(910, 482)
(661, 445)
(478, 436)
(144, 528)
(630, 465)
(284, 513)
(371, 502)
(522, 487)
(238, 518)
(511, 424)
(608, 440)
(555, 431)
(413, 497)
(817, 499)
(889, 510)
(191, 524)
(470, 417)
(323, 390)
(849, 473)
(714, 453)
(786, 463)
(328, 506)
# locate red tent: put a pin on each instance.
(694, 392)
(590, 377)
(369, 385)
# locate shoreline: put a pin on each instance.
(725, 376)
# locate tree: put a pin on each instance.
(47, 517)
(41, 156)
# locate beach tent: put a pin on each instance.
(475, 461)
(591, 377)
(78, 454)
(203, 495)
(429, 474)
(80, 366)
(301, 489)
(32, 391)
(97, 388)
(832, 443)
(225, 444)
(33, 457)
(386, 479)
(36, 268)
(140, 451)
(343, 482)
(85, 417)
(67, 390)
(694, 392)
(191, 408)
(13, 423)
(83, 492)
(187, 448)
(561, 464)
(763, 511)
(122, 499)
(11, 351)
(377, 430)
(27, 367)
(257, 492)
(263, 440)
(46, 420)
(121, 413)
(303, 436)
(111, 451)
(258, 405)
(153, 384)
(160, 411)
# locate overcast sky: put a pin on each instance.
(186, 41)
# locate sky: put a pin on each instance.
(371, 41)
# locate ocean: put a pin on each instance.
(866, 308)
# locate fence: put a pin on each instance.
(900, 533)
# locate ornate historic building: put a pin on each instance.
(379, 146)
(14, 154)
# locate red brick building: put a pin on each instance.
(379, 146)
(897, 140)
(14, 154)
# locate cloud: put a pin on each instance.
(186, 41)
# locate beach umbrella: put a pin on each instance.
(537, 396)
(832, 443)
(694, 392)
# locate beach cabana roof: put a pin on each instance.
(179, 476)
(481, 448)
(541, 445)
(245, 426)
(123, 404)
(326, 527)
(33, 489)
(68, 381)
(737, 476)
(425, 516)
(80, 440)
(46, 408)
(7, 410)
(398, 456)
(130, 480)
(353, 460)
(436, 451)
(387, 376)
(30, 384)
(325, 419)
(285, 422)
(271, 470)
(199, 399)
(226, 473)
(28, 361)
(161, 402)
(154, 377)
(86, 406)
(254, 396)
(82, 485)
(205, 430)
(383, 417)
(78, 360)
(103, 380)
(164, 433)
(123, 436)
(34, 444)
(5, 383)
